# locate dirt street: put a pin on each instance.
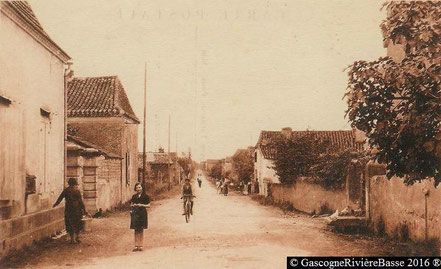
(225, 232)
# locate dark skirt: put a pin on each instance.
(138, 218)
(73, 222)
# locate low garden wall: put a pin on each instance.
(310, 197)
(407, 212)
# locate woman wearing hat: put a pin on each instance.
(74, 209)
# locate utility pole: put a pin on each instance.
(143, 134)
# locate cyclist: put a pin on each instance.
(187, 193)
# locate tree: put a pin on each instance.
(243, 165)
(216, 171)
(186, 164)
(332, 167)
(295, 157)
(398, 103)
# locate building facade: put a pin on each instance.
(264, 173)
(100, 113)
(32, 69)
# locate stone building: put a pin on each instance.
(32, 68)
(265, 152)
(100, 115)
(159, 165)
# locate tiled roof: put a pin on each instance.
(24, 11)
(268, 151)
(341, 140)
(98, 97)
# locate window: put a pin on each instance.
(255, 157)
(45, 130)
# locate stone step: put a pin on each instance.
(343, 222)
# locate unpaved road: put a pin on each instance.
(225, 232)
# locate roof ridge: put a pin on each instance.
(96, 77)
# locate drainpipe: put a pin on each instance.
(121, 185)
(67, 72)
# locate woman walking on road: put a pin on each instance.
(138, 221)
(73, 211)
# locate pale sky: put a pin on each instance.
(222, 69)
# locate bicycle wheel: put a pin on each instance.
(187, 212)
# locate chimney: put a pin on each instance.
(69, 72)
(286, 132)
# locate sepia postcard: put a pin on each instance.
(220, 134)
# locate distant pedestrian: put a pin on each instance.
(225, 188)
(199, 182)
(218, 186)
(73, 210)
(138, 215)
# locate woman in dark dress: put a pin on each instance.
(138, 221)
(74, 209)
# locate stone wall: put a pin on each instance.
(23, 231)
(130, 160)
(105, 132)
(108, 183)
(402, 211)
(309, 197)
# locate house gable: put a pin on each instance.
(98, 97)
(22, 14)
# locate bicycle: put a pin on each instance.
(187, 206)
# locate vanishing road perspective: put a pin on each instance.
(224, 232)
(295, 128)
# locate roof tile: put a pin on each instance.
(98, 97)
(340, 139)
